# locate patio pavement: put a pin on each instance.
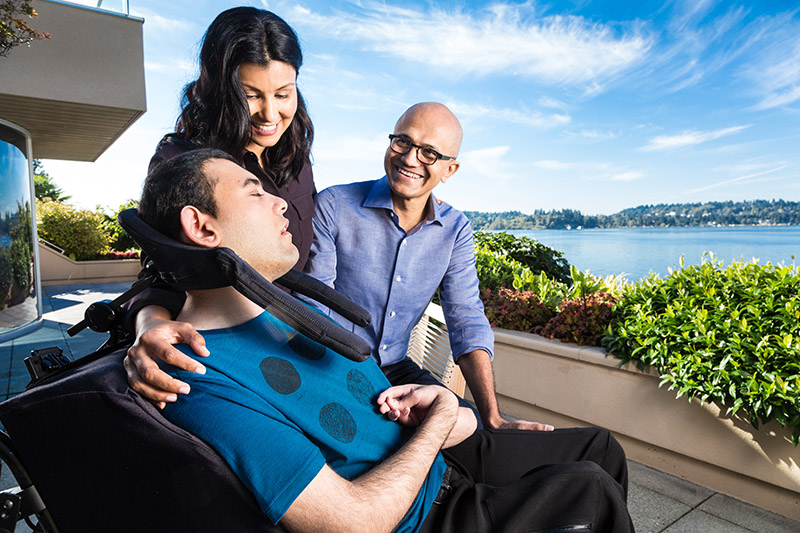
(658, 502)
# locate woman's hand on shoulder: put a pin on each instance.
(155, 336)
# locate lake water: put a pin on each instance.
(637, 251)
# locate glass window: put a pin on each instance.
(19, 305)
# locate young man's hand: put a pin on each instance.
(410, 405)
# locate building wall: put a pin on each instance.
(78, 91)
(90, 58)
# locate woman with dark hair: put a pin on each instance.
(246, 103)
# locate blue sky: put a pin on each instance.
(588, 105)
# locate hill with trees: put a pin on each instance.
(755, 212)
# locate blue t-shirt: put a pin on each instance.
(277, 406)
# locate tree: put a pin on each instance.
(44, 186)
(14, 29)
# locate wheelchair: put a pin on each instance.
(91, 455)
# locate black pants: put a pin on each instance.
(515, 481)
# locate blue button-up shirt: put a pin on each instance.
(360, 249)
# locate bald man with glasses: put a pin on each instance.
(390, 244)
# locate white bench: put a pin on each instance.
(429, 347)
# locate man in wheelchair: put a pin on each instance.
(322, 441)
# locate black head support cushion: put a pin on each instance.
(194, 268)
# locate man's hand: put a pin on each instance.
(155, 338)
(523, 424)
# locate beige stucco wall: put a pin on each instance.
(568, 385)
(58, 269)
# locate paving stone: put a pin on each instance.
(18, 383)
(699, 521)
(652, 511)
(49, 331)
(749, 516)
(668, 485)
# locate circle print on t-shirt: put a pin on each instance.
(280, 375)
(360, 387)
(337, 422)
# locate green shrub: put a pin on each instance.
(120, 241)
(527, 253)
(516, 310)
(79, 232)
(727, 335)
(495, 270)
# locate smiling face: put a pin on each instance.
(272, 99)
(251, 221)
(430, 125)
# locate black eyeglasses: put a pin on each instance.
(426, 156)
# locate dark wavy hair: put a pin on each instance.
(214, 107)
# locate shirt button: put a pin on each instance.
(392, 313)
(398, 278)
(405, 242)
(383, 347)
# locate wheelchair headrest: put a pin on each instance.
(188, 267)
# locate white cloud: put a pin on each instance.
(748, 177)
(627, 176)
(688, 138)
(590, 170)
(488, 162)
(170, 66)
(329, 147)
(558, 50)
(547, 101)
(779, 98)
(775, 69)
(155, 22)
(532, 118)
(591, 135)
(551, 164)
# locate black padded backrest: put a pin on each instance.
(104, 459)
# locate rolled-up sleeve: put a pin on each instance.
(467, 325)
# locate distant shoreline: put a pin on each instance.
(709, 214)
(580, 228)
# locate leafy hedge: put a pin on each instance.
(524, 253)
(728, 335)
(120, 241)
(79, 232)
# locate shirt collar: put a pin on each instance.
(380, 197)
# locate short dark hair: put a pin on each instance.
(176, 183)
(214, 107)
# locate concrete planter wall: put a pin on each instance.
(569, 385)
(58, 269)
